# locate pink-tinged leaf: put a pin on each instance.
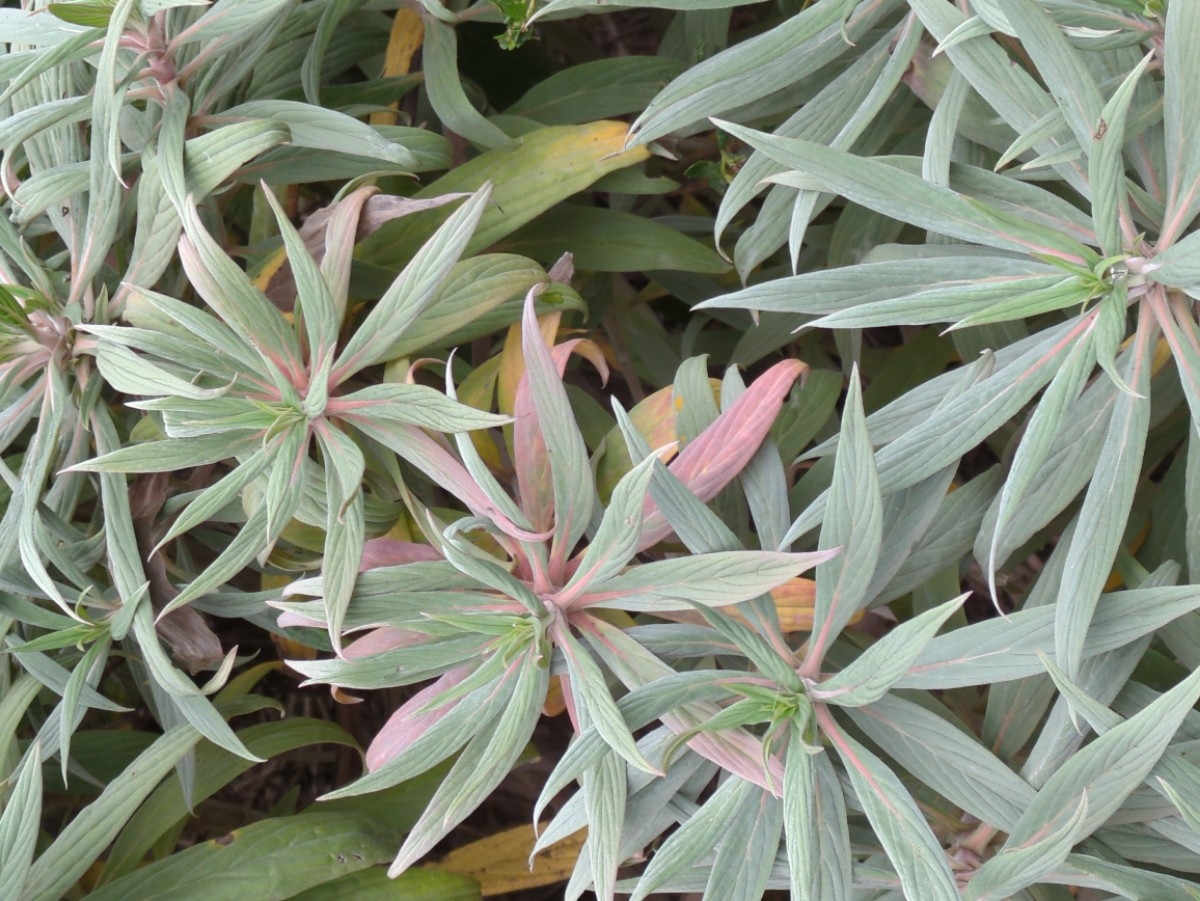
(553, 476)
(1179, 329)
(231, 294)
(380, 640)
(714, 458)
(714, 580)
(734, 750)
(289, 618)
(911, 846)
(409, 723)
(441, 466)
(393, 552)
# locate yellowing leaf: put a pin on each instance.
(408, 31)
(500, 862)
(550, 165)
(654, 419)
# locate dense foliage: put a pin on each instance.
(800, 396)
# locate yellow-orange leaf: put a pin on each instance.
(500, 862)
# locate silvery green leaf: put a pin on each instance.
(726, 577)
(872, 675)
(588, 686)
(617, 539)
(231, 18)
(944, 756)
(186, 696)
(1011, 91)
(1105, 508)
(130, 374)
(744, 72)
(84, 839)
(547, 437)
(853, 524)
(1059, 398)
(908, 198)
(416, 404)
(695, 837)
(1063, 69)
(315, 306)
(323, 129)
(19, 824)
(899, 825)
(905, 291)
(1181, 118)
(482, 764)
(413, 290)
(819, 119)
(775, 662)
(814, 817)
(1106, 162)
(1000, 650)
(1016, 867)
(229, 291)
(168, 454)
(1104, 772)
(1088, 871)
(18, 128)
(745, 855)
(604, 791)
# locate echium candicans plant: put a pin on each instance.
(519, 591)
(250, 385)
(1039, 201)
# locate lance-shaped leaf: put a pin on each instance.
(1105, 772)
(1181, 118)
(814, 817)
(587, 684)
(547, 441)
(604, 794)
(746, 855)
(853, 522)
(1010, 870)
(1106, 507)
(695, 837)
(619, 535)
(482, 764)
(712, 459)
(128, 373)
(1106, 163)
(873, 674)
(344, 523)
(229, 291)
(926, 289)
(315, 309)
(944, 756)
(908, 197)
(742, 73)
(441, 466)
(1035, 446)
(412, 291)
(999, 650)
(19, 825)
(84, 839)
(415, 404)
(717, 579)
(1174, 776)
(911, 847)
(1126, 881)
